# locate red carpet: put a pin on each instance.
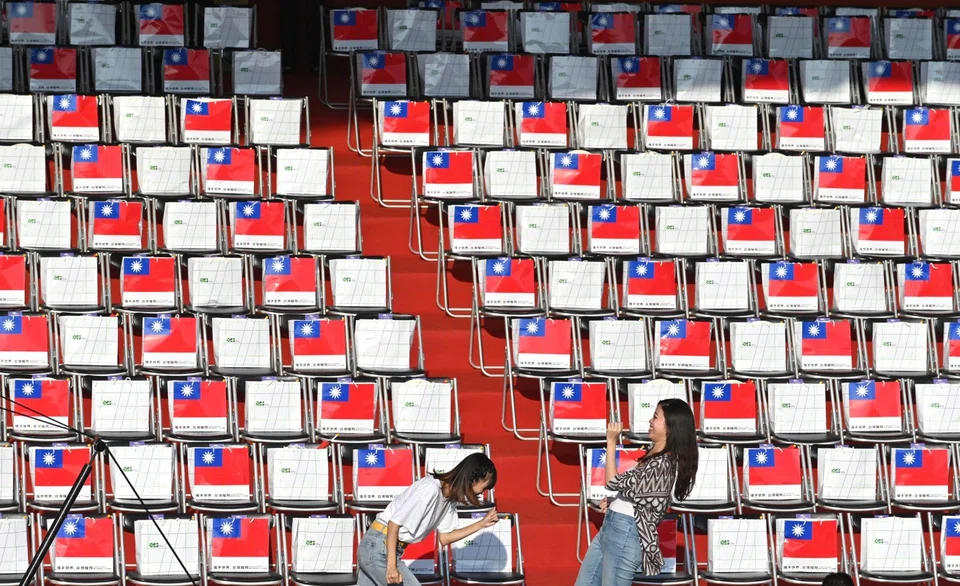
(548, 532)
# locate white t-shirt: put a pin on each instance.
(420, 509)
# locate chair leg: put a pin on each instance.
(508, 395)
(543, 450)
(443, 288)
(416, 231)
(476, 329)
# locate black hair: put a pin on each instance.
(460, 480)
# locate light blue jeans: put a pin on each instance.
(372, 562)
(614, 554)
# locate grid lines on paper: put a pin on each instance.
(573, 78)
(945, 415)
(722, 285)
(748, 541)
(172, 176)
(257, 72)
(697, 80)
(823, 237)
(120, 406)
(939, 231)
(785, 177)
(273, 407)
(282, 124)
(160, 561)
(576, 284)
(648, 175)
(906, 181)
(299, 474)
(545, 32)
(479, 123)
(16, 113)
(92, 24)
(445, 75)
(190, 225)
(7, 474)
(711, 481)
(859, 287)
(226, 27)
(44, 224)
(140, 118)
(511, 173)
(667, 34)
(215, 282)
(384, 343)
(806, 411)
(857, 470)
(603, 126)
(857, 130)
(23, 170)
(412, 30)
(302, 171)
(442, 460)
(422, 407)
(825, 81)
(69, 280)
(117, 68)
(618, 345)
(6, 69)
(790, 37)
(242, 343)
(90, 340)
(900, 347)
(487, 550)
(940, 79)
(758, 346)
(892, 543)
(14, 555)
(681, 230)
(148, 468)
(543, 229)
(331, 541)
(909, 38)
(359, 282)
(732, 127)
(330, 227)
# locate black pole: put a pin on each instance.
(37, 561)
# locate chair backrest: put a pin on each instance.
(349, 407)
(220, 473)
(242, 544)
(380, 473)
(494, 550)
(301, 473)
(322, 544)
(153, 557)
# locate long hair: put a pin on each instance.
(682, 443)
(460, 480)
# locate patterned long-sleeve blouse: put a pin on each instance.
(648, 485)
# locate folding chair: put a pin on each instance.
(926, 401)
(121, 409)
(350, 29)
(922, 478)
(860, 130)
(577, 413)
(688, 348)
(542, 124)
(141, 478)
(798, 413)
(494, 556)
(197, 410)
(447, 176)
(643, 396)
(162, 172)
(635, 78)
(38, 408)
(700, 80)
(873, 558)
(649, 287)
(572, 78)
(374, 74)
(18, 286)
(619, 348)
(315, 346)
(278, 122)
(904, 348)
(331, 229)
(256, 536)
(84, 552)
(242, 345)
(300, 478)
(230, 172)
(576, 288)
(300, 172)
(922, 191)
(510, 75)
(115, 70)
(208, 121)
(827, 345)
(168, 344)
(274, 409)
(23, 29)
(217, 285)
(154, 562)
(74, 284)
(731, 412)
(739, 549)
(47, 225)
(186, 71)
(792, 288)
(776, 479)
(593, 461)
(424, 411)
(602, 126)
(547, 32)
(880, 232)
(322, 549)
(792, 34)
(261, 227)
(724, 289)
(759, 349)
(873, 412)
(70, 117)
(851, 479)
(359, 285)
(118, 226)
(380, 473)
(399, 127)
(90, 344)
(848, 38)
(734, 128)
(388, 345)
(53, 470)
(824, 81)
(194, 227)
(544, 230)
(502, 288)
(808, 547)
(682, 231)
(751, 232)
(229, 27)
(613, 230)
(222, 478)
(27, 344)
(938, 232)
(731, 34)
(471, 231)
(147, 283)
(255, 73)
(578, 176)
(863, 290)
(349, 412)
(93, 25)
(667, 35)
(17, 537)
(94, 169)
(51, 69)
(936, 79)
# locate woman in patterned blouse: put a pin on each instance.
(628, 539)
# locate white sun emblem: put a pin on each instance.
(335, 392)
(197, 107)
(106, 209)
(724, 21)
(797, 529)
(703, 162)
(86, 154)
(956, 528)
(8, 325)
(718, 392)
(473, 19)
(813, 330)
(41, 56)
(533, 110)
(908, 458)
(641, 269)
(956, 27)
(306, 329)
(757, 66)
(604, 214)
(957, 332)
(673, 329)
(832, 165)
(871, 216)
(186, 390)
(761, 457)
(70, 527)
(157, 326)
(659, 113)
(466, 214)
(176, 57)
(151, 11)
(917, 117)
(396, 109)
(603, 458)
(567, 392)
(344, 17)
(628, 64)
(880, 68)
(64, 102)
(863, 390)
(49, 458)
(219, 156)
(277, 265)
(499, 267)
(437, 159)
(27, 389)
(372, 61)
(136, 266)
(838, 24)
(371, 458)
(532, 327)
(566, 160)
(781, 271)
(602, 21)
(792, 113)
(21, 10)
(917, 270)
(248, 209)
(740, 216)
(208, 457)
(501, 62)
(226, 528)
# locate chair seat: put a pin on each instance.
(356, 309)
(225, 310)
(95, 370)
(429, 578)
(174, 580)
(731, 438)
(214, 507)
(253, 372)
(948, 576)
(323, 579)
(545, 372)
(57, 505)
(427, 438)
(252, 578)
(704, 506)
(354, 439)
(880, 437)
(815, 439)
(488, 311)
(151, 505)
(778, 505)
(488, 577)
(946, 438)
(674, 578)
(127, 436)
(617, 373)
(302, 506)
(571, 438)
(284, 438)
(926, 505)
(736, 577)
(86, 579)
(812, 578)
(851, 505)
(371, 506)
(897, 576)
(187, 438)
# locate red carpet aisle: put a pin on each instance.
(548, 533)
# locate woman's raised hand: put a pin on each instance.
(613, 431)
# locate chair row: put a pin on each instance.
(190, 409)
(269, 549)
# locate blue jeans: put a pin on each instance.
(614, 555)
(372, 562)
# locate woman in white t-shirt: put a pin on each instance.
(427, 505)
